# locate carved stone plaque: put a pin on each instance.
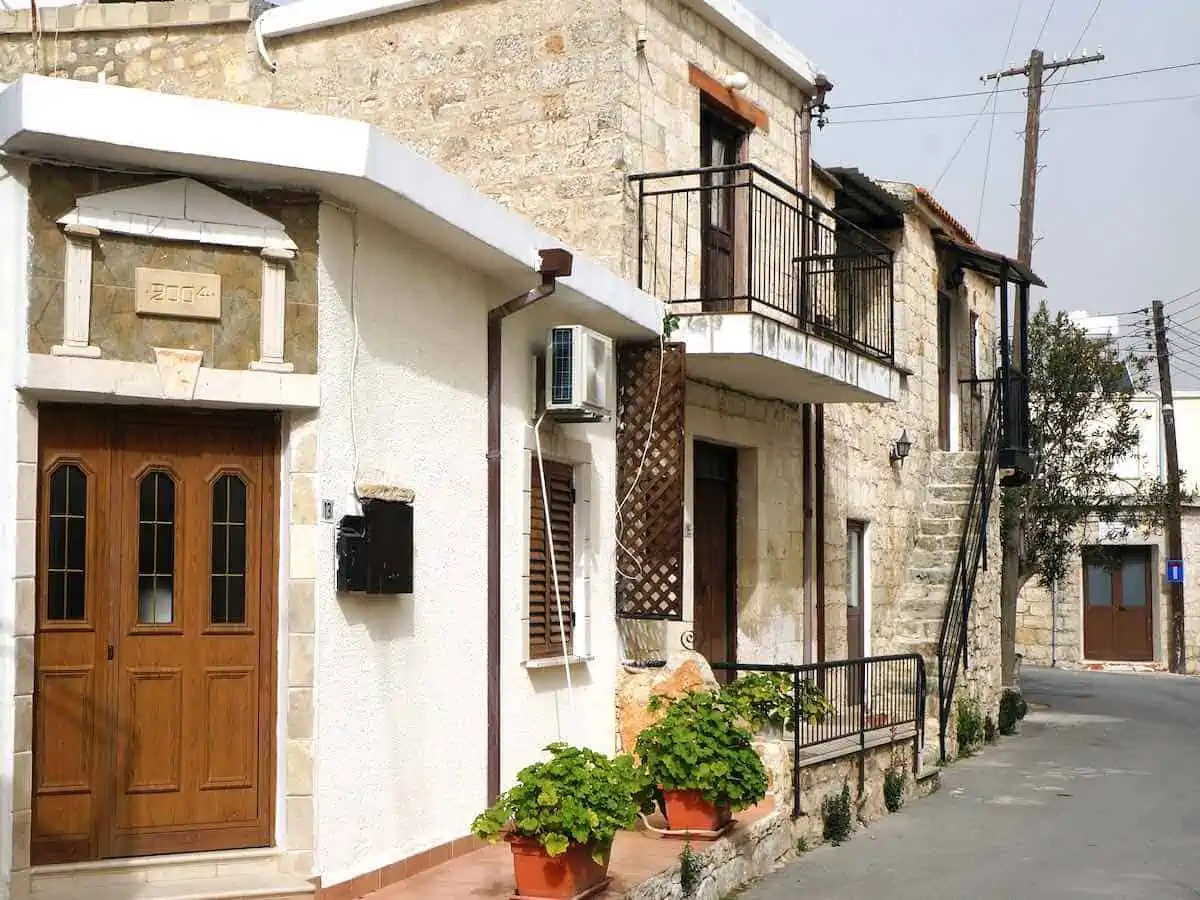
(178, 295)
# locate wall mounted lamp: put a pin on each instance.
(900, 448)
(738, 81)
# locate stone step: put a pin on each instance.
(168, 868)
(938, 543)
(922, 558)
(932, 574)
(226, 887)
(959, 492)
(945, 509)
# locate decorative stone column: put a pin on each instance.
(274, 293)
(77, 293)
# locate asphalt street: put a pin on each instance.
(1098, 796)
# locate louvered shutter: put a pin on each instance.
(545, 634)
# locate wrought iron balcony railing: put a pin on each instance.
(737, 239)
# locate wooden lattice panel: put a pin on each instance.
(650, 501)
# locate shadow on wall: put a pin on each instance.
(386, 618)
(402, 297)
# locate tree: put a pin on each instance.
(1082, 423)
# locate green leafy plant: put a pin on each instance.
(802, 844)
(894, 779)
(690, 870)
(1012, 710)
(698, 745)
(670, 323)
(970, 726)
(578, 796)
(838, 816)
(763, 698)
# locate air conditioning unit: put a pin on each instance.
(578, 361)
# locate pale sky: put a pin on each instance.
(1118, 201)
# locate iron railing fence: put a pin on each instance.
(728, 239)
(870, 694)
(972, 553)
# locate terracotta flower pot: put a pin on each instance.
(568, 875)
(689, 811)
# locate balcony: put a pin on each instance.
(776, 295)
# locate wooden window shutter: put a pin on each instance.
(650, 423)
(545, 633)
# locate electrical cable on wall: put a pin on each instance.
(641, 568)
(562, 628)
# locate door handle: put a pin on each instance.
(109, 652)
(1120, 608)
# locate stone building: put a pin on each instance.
(801, 365)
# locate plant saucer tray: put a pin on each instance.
(686, 834)
(594, 891)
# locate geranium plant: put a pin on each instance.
(577, 797)
(765, 698)
(698, 745)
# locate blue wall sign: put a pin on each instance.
(1175, 571)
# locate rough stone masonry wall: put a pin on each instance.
(522, 100)
(860, 481)
(545, 106)
(770, 535)
(1051, 631)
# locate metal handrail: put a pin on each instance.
(881, 683)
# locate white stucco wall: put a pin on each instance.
(401, 682)
(14, 260)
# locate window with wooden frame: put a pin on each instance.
(551, 525)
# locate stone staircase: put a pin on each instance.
(922, 601)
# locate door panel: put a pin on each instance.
(720, 145)
(945, 348)
(173, 691)
(70, 756)
(1132, 630)
(714, 554)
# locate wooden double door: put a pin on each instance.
(153, 698)
(1118, 618)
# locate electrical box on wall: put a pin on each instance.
(375, 550)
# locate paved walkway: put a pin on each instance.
(1098, 797)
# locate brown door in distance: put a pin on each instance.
(153, 701)
(1118, 615)
(944, 350)
(720, 145)
(714, 553)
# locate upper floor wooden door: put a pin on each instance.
(721, 144)
(153, 702)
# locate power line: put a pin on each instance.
(1078, 41)
(1045, 22)
(991, 99)
(966, 94)
(1105, 105)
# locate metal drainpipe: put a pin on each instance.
(555, 264)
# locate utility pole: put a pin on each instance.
(1035, 70)
(1174, 526)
